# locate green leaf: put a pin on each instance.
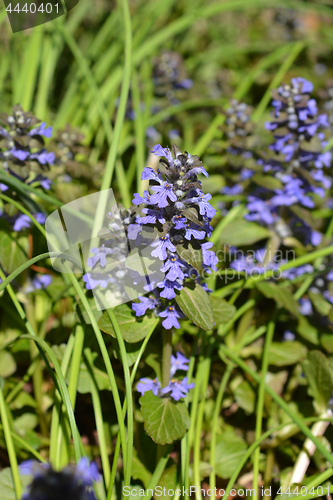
(326, 341)
(213, 184)
(317, 372)
(191, 255)
(282, 296)
(222, 310)
(192, 214)
(229, 451)
(14, 250)
(7, 485)
(84, 381)
(169, 480)
(322, 305)
(133, 329)
(242, 232)
(165, 420)
(132, 351)
(196, 305)
(307, 331)
(267, 181)
(286, 353)
(139, 470)
(7, 364)
(245, 396)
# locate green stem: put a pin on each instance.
(10, 445)
(166, 357)
(260, 405)
(217, 409)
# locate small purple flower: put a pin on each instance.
(42, 130)
(150, 174)
(205, 208)
(305, 306)
(159, 151)
(208, 256)
(288, 336)
(92, 280)
(3, 187)
(162, 245)
(231, 191)
(137, 200)
(145, 303)
(195, 231)
(87, 471)
(172, 315)
(163, 192)
(99, 256)
(259, 211)
(19, 154)
(178, 362)
(169, 288)
(173, 265)
(147, 384)
(22, 222)
(178, 388)
(44, 157)
(153, 215)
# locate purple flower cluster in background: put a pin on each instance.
(296, 162)
(176, 389)
(73, 482)
(22, 148)
(23, 155)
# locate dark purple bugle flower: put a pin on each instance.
(72, 482)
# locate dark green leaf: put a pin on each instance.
(13, 250)
(165, 420)
(242, 232)
(191, 255)
(267, 181)
(317, 372)
(229, 451)
(286, 353)
(245, 396)
(196, 305)
(326, 341)
(7, 484)
(323, 306)
(282, 296)
(132, 328)
(222, 310)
